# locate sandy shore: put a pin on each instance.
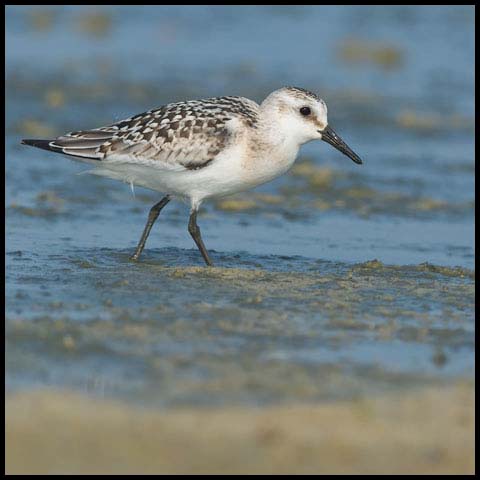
(424, 432)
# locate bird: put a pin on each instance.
(197, 150)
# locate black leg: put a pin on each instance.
(195, 233)
(152, 216)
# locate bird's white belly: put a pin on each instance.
(227, 174)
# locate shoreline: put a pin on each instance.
(423, 431)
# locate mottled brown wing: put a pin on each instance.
(186, 135)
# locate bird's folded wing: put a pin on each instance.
(186, 135)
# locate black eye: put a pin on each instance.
(305, 111)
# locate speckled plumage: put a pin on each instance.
(184, 134)
(302, 92)
(203, 149)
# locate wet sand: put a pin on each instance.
(333, 283)
(424, 432)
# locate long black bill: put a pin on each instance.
(329, 136)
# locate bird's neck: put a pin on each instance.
(273, 134)
(271, 150)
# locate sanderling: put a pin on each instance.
(202, 149)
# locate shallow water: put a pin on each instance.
(334, 281)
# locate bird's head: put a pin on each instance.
(303, 115)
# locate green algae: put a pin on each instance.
(192, 332)
(353, 51)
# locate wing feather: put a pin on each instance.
(179, 136)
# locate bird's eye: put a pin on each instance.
(305, 111)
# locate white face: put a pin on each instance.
(299, 114)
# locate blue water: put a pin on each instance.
(399, 85)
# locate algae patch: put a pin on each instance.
(379, 54)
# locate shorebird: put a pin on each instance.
(201, 149)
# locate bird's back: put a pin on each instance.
(183, 135)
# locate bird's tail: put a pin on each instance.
(43, 144)
(75, 149)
